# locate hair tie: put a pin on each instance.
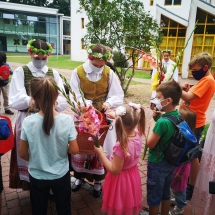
(135, 106)
(120, 111)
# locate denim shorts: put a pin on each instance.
(159, 178)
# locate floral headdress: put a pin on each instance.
(32, 49)
(92, 55)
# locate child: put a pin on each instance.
(181, 174)
(122, 186)
(101, 88)
(199, 98)
(159, 171)
(46, 138)
(167, 67)
(4, 83)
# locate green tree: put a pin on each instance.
(63, 6)
(120, 24)
(41, 3)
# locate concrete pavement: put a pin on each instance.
(17, 202)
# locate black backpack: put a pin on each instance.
(183, 146)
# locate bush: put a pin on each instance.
(120, 60)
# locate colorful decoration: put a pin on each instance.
(93, 55)
(32, 49)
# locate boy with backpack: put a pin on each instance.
(159, 170)
(198, 99)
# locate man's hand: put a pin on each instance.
(106, 106)
(1, 78)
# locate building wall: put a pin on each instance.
(20, 23)
(78, 32)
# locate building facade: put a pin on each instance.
(177, 19)
(20, 23)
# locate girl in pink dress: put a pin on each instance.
(122, 186)
(181, 173)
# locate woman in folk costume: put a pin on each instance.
(19, 99)
(167, 66)
(102, 89)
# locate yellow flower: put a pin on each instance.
(155, 81)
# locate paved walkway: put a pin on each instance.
(17, 202)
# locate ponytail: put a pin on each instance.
(121, 134)
(142, 121)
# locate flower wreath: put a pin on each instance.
(92, 55)
(32, 49)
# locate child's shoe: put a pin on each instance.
(176, 211)
(172, 202)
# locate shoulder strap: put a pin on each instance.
(174, 119)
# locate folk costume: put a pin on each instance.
(98, 87)
(168, 67)
(19, 99)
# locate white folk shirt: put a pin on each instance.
(115, 94)
(18, 98)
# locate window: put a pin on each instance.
(8, 16)
(20, 16)
(177, 2)
(32, 18)
(151, 2)
(204, 35)
(82, 43)
(82, 23)
(66, 27)
(172, 2)
(168, 2)
(173, 37)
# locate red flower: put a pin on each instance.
(91, 57)
(52, 46)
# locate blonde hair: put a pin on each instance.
(201, 59)
(128, 122)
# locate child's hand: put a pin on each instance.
(186, 87)
(99, 150)
(156, 113)
(111, 114)
(178, 177)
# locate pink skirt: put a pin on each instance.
(122, 193)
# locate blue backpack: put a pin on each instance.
(183, 146)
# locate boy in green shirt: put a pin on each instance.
(159, 171)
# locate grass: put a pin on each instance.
(54, 61)
(64, 62)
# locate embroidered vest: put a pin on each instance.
(94, 91)
(28, 77)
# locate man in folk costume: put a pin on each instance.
(102, 89)
(19, 99)
(168, 73)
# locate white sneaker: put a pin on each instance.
(176, 211)
(172, 202)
